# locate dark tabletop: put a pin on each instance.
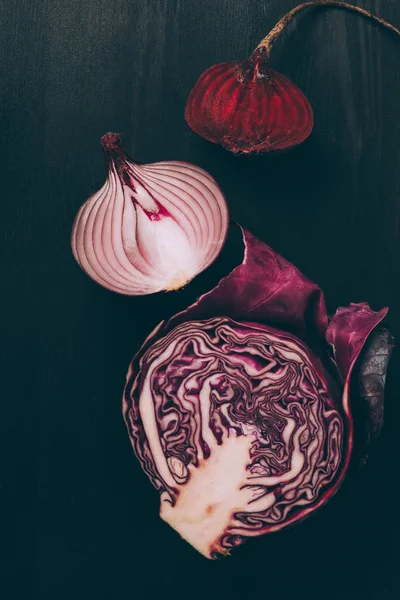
(81, 519)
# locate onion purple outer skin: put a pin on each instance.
(238, 465)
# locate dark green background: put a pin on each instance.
(80, 517)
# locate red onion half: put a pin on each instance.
(150, 227)
(239, 407)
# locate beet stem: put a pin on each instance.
(273, 35)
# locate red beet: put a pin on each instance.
(247, 107)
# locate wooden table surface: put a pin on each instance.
(81, 517)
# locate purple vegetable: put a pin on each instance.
(238, 408)
(369, 409)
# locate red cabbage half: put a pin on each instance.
(238, 408)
